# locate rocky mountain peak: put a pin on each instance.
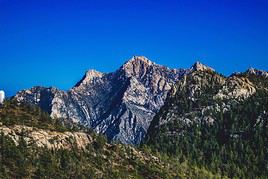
(137, 65)
(254, 71)
(197, 66)
(139, 60)
(120, 104)
(90, 76)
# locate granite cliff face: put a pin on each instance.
(120, 104)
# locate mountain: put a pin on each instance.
(216, 121)
(33, 145)
(184, 118)
(120, 104)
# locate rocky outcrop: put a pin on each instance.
(235, 87)
(200, 67)
(120, 104)
(46, 138)
(200, 96)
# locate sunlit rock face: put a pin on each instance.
(120, 104)
(2, 96)
(45, 138)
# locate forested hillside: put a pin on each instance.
(22, 156)
(220, 124)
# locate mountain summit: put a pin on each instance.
(197, 66)
(254, 71)
(120, 104)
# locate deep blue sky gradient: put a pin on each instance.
(53, 42)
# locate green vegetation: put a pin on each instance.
(234, 145)
(112, 161)
(98, 160)
(30, 115)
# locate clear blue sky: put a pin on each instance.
(53, 42)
